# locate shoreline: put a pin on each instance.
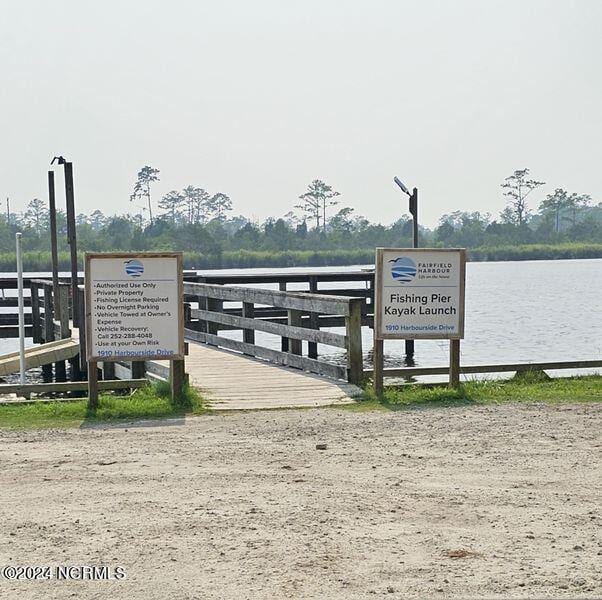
(245, 259)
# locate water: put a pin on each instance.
(529, 311)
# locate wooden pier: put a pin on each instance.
(249, 346)
(232, 381)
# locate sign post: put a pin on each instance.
(134, 312)
(419, 295)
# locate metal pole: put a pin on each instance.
(71, 238)
(414, 211)
(409, 344)
(21, 315)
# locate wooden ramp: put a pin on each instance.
(231, 381)
(39, 355)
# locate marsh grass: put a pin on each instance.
(240, 259)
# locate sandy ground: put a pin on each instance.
(487, 502)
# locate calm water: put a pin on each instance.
(515, 311)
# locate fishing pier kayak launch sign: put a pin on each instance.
(419, 293)
(134, 307)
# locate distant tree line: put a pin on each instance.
(200, 222)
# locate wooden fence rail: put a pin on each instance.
(303, 314)
(408, 372)
(69, 386)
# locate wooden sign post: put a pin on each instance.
(419, 294)
(134, 312)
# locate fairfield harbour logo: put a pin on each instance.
(404, 270)
(133, 267)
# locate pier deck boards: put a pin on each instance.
(231, 381)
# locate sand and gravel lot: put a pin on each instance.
(467, 502)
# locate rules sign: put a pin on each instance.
(419, 293)
(134, 306)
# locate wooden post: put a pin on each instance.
(294, 318)
(138, 369)
(454, 363)
(248, 311)
(48, 315)
(72, 240)
(62, 308)
(48, 333)
(61, 312)
(353, 326)
(53, 242)
(108, 370)
(60, 371)
(202, 303)
(80, 370)
(177, 378)
(214, 305)
(284, 340)
(378, 359)
(92, 385)
(314, 319)
(36, 326)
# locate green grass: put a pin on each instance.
(150, 402)
(153, 401)
(530, 387)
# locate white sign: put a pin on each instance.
(134, 306)
(419, 293)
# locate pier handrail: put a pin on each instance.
(302, 313)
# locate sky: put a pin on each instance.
(258, 98)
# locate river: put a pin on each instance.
(528, 311)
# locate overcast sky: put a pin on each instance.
(257, 98)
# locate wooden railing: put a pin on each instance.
(410, 372)
(50, 322)
(216, 306)
(353, 284)
(49, 314)
(9, 322)
(261, 310)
